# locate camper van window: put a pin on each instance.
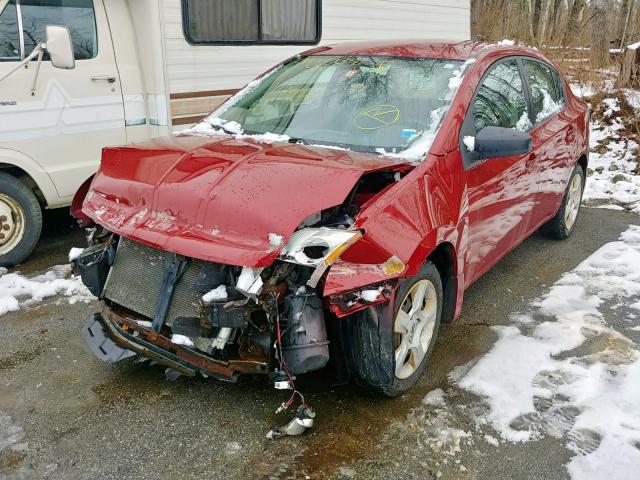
(220, 22)
(78, 15)
(9, 35)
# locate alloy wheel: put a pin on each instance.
(414, 327)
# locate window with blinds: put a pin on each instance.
(219, 22)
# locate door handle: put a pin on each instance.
(103, 78)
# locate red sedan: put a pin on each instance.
(336, 208)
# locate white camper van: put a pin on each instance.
(78, 75)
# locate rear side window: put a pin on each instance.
(500, 100)
(252, 21)
(77, 15)
(9, 34)
(546, 91)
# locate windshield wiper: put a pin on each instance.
(225, 130)
(297, 140)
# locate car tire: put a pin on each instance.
(20, 221)
(565, 219)
(377, 334)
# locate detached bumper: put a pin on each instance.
(110, 343)
(113, 337)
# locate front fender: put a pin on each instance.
(76, 204)
(407, 223)
(14, 158)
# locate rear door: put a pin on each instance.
(501, 191)
(73, 113)
(553, 132)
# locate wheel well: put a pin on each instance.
(443, 257)
(26, 179)
(583, 162)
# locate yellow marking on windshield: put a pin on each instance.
(376, 117)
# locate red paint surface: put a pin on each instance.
(218, 199)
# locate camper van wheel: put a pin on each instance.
(20, 220)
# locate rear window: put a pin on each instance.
(546, 90)
(252, 21)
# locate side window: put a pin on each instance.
(251, 21)
(9, 36)
(78, 15)
(500, 100)
(546, 92)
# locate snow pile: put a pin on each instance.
(11, 436)
(433, 427)
(74, 253)
(524, 122)
(435, 435)
(434, 398)
(215, 295)
(275, 240)
(583, 90)
(549, 106)
(216, 126)
(178, 339)
(18, 291)
(613, 179)
(371, 295)
(469, 142)
(566, 373)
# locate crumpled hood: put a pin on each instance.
(219, 198)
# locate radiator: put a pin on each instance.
(136, 277)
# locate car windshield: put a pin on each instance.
(364, 103)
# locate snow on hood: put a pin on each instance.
(219, 198)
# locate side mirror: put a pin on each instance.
(60, 47)
(495, 142)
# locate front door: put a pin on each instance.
(501, 191)
(73, 113)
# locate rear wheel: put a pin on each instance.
(20, 221)
(561, 226)
(391, 345)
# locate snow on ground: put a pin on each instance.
(18, 291)
(561, 370)
(614, 165)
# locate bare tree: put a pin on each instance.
(627, 7)
(599, 34)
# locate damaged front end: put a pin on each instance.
(200, 289)
(196, 316)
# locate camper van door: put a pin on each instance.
(61, 128)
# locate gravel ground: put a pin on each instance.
(64, 414)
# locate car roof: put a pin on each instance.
(420, 49)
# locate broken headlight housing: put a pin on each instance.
(318, 248)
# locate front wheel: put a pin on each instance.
(563, 223)
(390, 345)
(20, 221)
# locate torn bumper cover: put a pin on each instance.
(114, 338)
